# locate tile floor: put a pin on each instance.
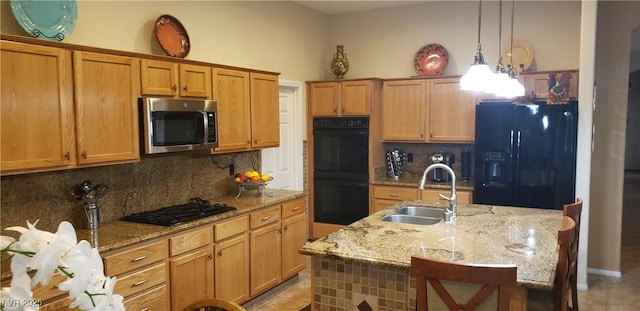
(604, 294)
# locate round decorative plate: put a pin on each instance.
(431, 60)
(172, 36)
(49, 20)
(522, 55)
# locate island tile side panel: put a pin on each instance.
(343, 286)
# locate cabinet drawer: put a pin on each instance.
(294, 207)
(135, 258)
(266, 216)
(141, 280)
(189, 241)
(155, 299)
(230, 228)
(395, 193)
(431, 195)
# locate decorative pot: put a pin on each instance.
(340, 63)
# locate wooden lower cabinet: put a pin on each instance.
(265, 257)
(231, 265)
(294, 236)
(155, 299)
(191, 278)
(432, 195)
(387, 196)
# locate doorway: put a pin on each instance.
(285, 163)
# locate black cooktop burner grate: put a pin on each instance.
(195, 209)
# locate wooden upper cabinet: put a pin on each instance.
(451, 111)
(231, 90)
(265, 111)
(342, 98)
(37, 107)
(106, 91)
(195, 81)
(324, 98)
(538, 82)
(404, 111)
(158, 77)
(162, 78)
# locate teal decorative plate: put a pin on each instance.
(49, 20)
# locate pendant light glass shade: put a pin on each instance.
(479, 76)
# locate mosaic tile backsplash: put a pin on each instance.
(156, 181)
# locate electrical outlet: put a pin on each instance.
(409, 157)
(232, 170)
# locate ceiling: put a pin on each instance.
(333, 7)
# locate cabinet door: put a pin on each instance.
(37, 107)
(159, 78)
(404, 111)
(155, 299)
(191, 278)
(324, 98)
(538, 83)
(232, 269)
(265, 111)
(195, 81)
(380, 204)
(294, 236)
(231, 90)
(356, 98)
(452, 112)
(265, 258)
(106, 91)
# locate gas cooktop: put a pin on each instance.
(195, 209)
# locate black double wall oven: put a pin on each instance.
(341, 169)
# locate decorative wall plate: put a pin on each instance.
(431, 60)
(49, 20)
(172, 36)
(522, 55)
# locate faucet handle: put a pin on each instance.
(444, 197)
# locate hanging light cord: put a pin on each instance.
(512, 70)
(500, 66)
(479, 59)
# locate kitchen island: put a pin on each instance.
(368, 262)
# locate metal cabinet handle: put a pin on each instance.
(265, 218)
(67, 156)
(136, 284)
(84, 155)
(138, 258)
(145, 309)
(395, 195)
(219, 253)
(185, 88)
(174, 88)
(286, 228)
(296, 208)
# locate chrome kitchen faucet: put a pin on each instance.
(449, 213)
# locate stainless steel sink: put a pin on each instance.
(415, 220)
(421, 211)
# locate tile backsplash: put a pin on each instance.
(156, 181)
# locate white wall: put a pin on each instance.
(279, 36)
(382, 43)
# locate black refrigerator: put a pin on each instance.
(525, 155)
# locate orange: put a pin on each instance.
(255, 178)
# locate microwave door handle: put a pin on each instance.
(205, 128)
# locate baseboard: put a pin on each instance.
(615, 274)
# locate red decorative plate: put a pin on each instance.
(172, 36)
(431, 60)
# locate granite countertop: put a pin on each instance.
(412, 181)
(481, 234)
(118, 234)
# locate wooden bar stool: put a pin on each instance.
(214, 305)
(560, 298)
(574, 210)
(447, 278)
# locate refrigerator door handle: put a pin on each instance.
(568, 132)
(516, 142)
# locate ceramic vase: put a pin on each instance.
(340, 63)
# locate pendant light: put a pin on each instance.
(515, 88)
(500, 82)
(478, 76)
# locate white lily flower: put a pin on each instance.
(47, 260)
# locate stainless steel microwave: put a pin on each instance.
(169, 125)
